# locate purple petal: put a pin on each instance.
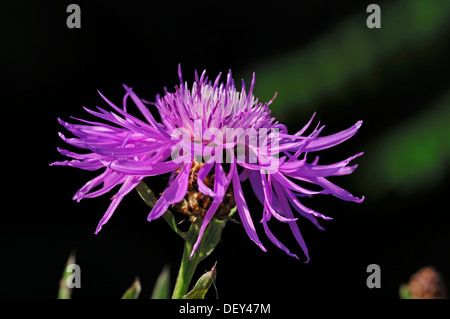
(293, 225)
(208, 216)
(330, 188)
(306, 126)
(180, 76)
(92, 131)
(303, 169)
(283, 180)
(268, 196)
(299, 146)
(109, 182)
(173, 194)
(255, 181)
(91, 185)
(76, 155)
(303, 210)
(108, 178)
(141, 168)
(252, 85)
(325, 142)
(91, 164)
(275, 241)
(221, 182)
(132, 123)
(243, 175)
(201, 175)
(144, 110)
(127, 186)
(242, 207)
(127, 151)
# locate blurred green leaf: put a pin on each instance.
(64, 291)
(404, 292)
(134, 291)
(412, 155)
(348, 54)
(162, 286)
(202, 286)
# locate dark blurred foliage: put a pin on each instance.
(319, 56)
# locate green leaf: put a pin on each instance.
(332, 64)
(64, 291)
(210, 239)
(146, 194)
(170, 219)
(412, 155)
(203, 284)
(404, 292)
(134, 291)
(162, 286)
(211, 236)
(149, 198)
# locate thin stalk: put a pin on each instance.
(185, 273)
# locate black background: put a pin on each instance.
(50, 71)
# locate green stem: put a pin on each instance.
(210, 239)
(185, 273)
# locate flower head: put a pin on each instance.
(211, 138)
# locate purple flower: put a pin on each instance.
(211, 138)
